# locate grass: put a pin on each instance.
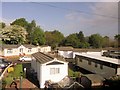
(15, 74)
(71, 73)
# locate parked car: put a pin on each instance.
(25, 58)
(3, 64)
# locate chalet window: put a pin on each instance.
(29, 50)
(101, 66)
(79, 59)
(54, 71)
(9, 51)
(89, 62)
(96, 65)
(21, 49)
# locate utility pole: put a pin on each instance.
(21, 80)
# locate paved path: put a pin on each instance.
(25, 84)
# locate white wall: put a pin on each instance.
(118, 71)
(45, 73)
(45, 49)
(14, 52)
(66, 54)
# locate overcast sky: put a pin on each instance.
(67, 17)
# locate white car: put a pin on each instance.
(25, 58)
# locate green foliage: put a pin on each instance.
(14, 34)
(81, 37)
(53, 38)
(21, 31)
(38, 37)
(96, 41)
(16, 74)
(106, 41)
(21, 22)
(71, 73)
(2, 25)
(117, 38)
(76, 40)
(71, 40)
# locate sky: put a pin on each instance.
(67, 17)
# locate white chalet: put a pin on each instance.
(17, 50)
(49, 68)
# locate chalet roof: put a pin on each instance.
(16, 46)
(46, 57)
(29, 45)
(42, 58)
(95, 79)
(10, 46)
(86, 50)
(68, 82)
(100, 58)
(65, 48)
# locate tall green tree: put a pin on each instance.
(106, 41)
(21, 22)
(71, 40)
(30, 29)
(117, 38)
(81, 37)
(38, 37)
(96, 41)
(53, 38)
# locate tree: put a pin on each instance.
(81, 37)
(30, 29)
(2, 25)
(106, 41)
(96, 41)
(117, 38)
(21, 22)
(53, 38)
(38, 37)
(14, 34)
(71, 40)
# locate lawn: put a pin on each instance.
(71, 73)
(15, 74)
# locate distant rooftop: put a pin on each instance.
(16, 46)
(101, 58)
(69, 48)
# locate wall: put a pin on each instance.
(14, 52)
(45, 49)
(45, 73)
(101, 69)
(66, 54)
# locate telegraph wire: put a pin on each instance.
(54, 6)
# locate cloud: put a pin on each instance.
(102, 19)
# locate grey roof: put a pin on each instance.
(68, 82)
(95, 78)
(29, 45)
(16, 46)
(42, 58)
(65, 48)
(10, 46)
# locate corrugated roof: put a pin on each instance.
(42, 58)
